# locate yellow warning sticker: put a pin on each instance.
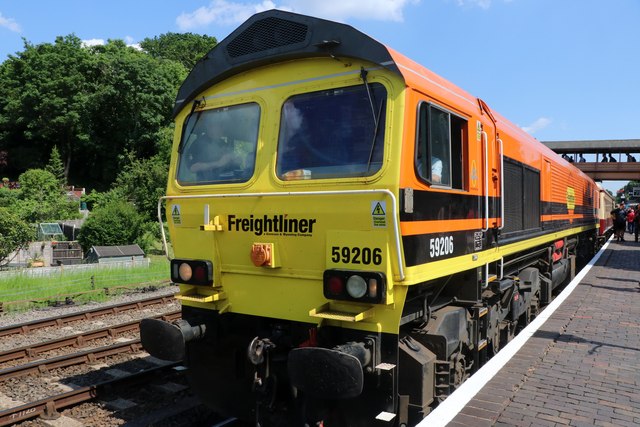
(379, 214)
(175, 215)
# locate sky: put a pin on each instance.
(560, 69)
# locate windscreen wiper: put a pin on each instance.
(196, 104)
(363, 76)
(376, 117)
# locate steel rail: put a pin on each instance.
(84, 357)
(79, 340)
(90, 314)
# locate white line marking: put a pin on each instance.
(452, 405)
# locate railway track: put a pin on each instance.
(48, 408)
(89, 314)
(82, 339)
(77, 382)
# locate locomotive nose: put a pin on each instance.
(166, 340)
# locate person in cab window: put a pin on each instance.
(211, 156)
(436, 167)
(436, 170)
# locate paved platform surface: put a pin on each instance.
(582, 367)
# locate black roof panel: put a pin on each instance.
(275, 36)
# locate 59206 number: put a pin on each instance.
(440, 246)
(356, 255)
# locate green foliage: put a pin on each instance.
(149, 236)
(56, 167)
(186, 48)
(40, 198)
(14, 234)
(143, 182)
(8, 198)
(39, 185)
(96, 199)
(45, 88)
(92, 103)
(130, 108)
(115, 223)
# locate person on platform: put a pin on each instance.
(619, 217)
(636, 221)
(631, 214)
(611, 158)
(604, 158)
(581, 159)
(630, 158)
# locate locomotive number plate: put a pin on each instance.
(356, 249)
(356, 255)
(440, 246)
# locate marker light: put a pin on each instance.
(335, 285)
(192, 272)
(356, 287)
(185, 272)
(373, 287)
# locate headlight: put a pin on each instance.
(356, 287)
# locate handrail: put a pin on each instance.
(396, 226)
(501, 184)
(485, 143)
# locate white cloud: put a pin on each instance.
(10, 24)
(129, 41)
(221, 12)
(482, 4)
(93, 42)
(224, 12)
(379, 10)
(539, 124)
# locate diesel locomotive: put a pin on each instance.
(353, 235)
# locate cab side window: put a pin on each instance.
(439, 146)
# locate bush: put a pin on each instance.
(115, 223)
(14, 234)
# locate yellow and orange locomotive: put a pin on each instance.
(353, 234)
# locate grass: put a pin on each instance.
(24, 291)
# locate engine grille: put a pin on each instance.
(265, 34)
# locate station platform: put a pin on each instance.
(576, 364)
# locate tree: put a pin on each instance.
(45, 91)
(15, 234)
(143, 182)
(39, 185)
(130, 109)
(56, 167)
(115, 223)
(93, 103)
(42, 199)
(185, 48)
